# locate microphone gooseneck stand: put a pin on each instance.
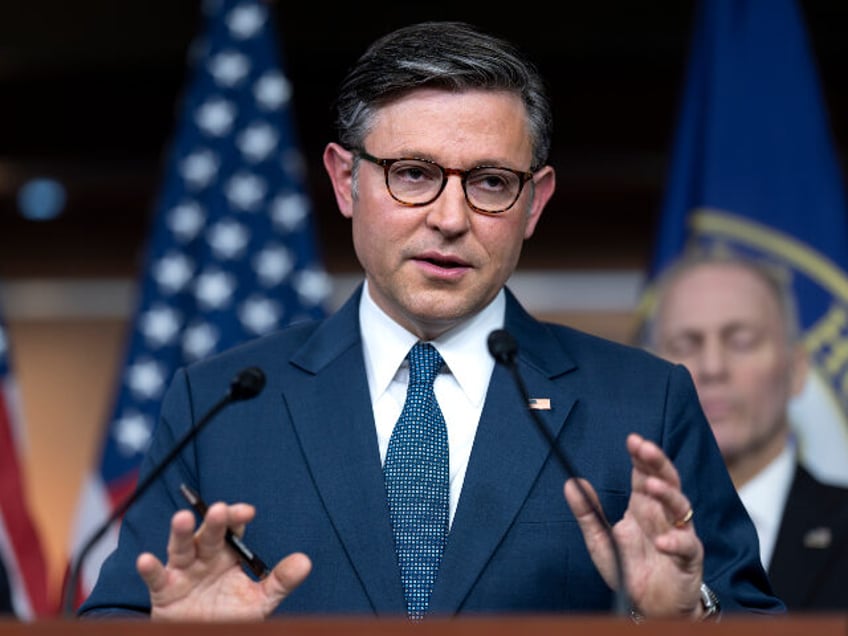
(246, 385)
(504, 349)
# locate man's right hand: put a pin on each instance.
(204, 580)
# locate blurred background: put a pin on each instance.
(89, 93)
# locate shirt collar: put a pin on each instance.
(463, 348)
(765, 495)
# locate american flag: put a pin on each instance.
(232, 253)
(20, 547)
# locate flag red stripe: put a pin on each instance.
(29, 562)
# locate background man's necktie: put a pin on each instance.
(416, 474)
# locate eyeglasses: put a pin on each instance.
(417, 182)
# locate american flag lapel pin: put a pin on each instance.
(540, 404)
(818, 538)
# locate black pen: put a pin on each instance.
(256, 565)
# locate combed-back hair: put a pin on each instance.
(452, 56)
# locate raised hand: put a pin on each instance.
(662, 555)
(203, 579)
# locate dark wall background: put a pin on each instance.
(88, 91)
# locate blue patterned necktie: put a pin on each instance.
(416, 474)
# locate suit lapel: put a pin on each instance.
(806, 541)
(501, 474)
(333, 403)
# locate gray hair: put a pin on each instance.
(776, 280)
(446, 55)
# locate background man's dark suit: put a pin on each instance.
(809, 568)
(305, 454)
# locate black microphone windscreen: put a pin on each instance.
(247, 384)
(503, 346)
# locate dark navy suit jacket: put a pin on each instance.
(809, 567)
(305, 453)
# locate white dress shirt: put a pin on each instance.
(460, 387)
(765, 497)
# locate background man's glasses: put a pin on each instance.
(417, 182)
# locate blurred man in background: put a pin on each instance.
(733, 324)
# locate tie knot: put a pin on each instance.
(424, 363)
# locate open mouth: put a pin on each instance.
(444, 263)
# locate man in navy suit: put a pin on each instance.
(441, 167)
(733, 323)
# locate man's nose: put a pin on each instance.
(450, 213)
(712, 361)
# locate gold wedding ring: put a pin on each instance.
(685, 519)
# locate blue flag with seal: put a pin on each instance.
(232, 254)
(754, 171)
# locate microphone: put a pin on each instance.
(247, 384)
(504, 349)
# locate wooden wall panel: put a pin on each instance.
(65, 371)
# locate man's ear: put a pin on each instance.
(543, 189)
(339, 165)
